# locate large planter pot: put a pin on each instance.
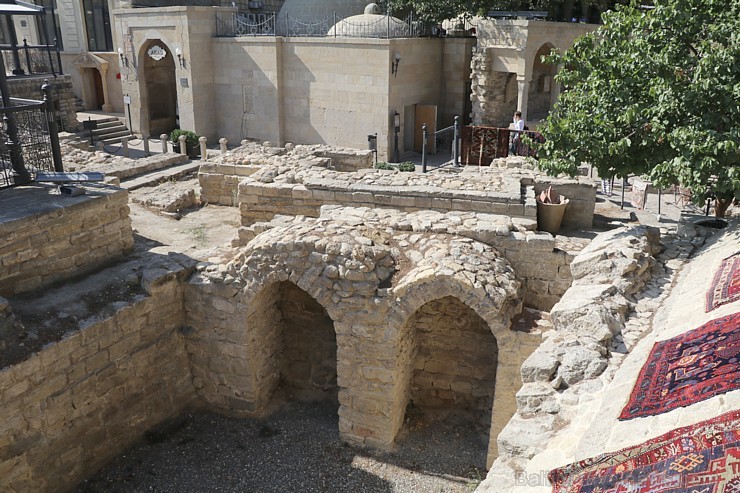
(550, 216)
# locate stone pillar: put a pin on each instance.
(203, 148)
(183, 145)
(223, 143)
(107, 107)
(124, 145)
(522, 96)
(163, 138)
(145, 138)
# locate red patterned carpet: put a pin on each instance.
(702, 458)
(725, 287)
(689, 368)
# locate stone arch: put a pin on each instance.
(296, 346)
(157, 87)
(541, 89)
(494, 305)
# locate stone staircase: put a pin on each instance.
(110, 131)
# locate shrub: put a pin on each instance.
(191, 139)
(407, 166)
(383, 166)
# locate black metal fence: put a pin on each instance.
(31, 59)
(26, 141)
(386, 26)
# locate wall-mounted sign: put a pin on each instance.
(156, 52)
(184, 82)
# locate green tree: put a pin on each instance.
(653, 92)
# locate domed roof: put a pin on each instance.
(317, 10)
(372, 24)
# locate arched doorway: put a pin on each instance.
(159, 94)
(297, 345)
(541, 89)
(454, 360)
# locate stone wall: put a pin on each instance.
(309, 345)
(571, 363)
(61, 93)
(77, 403)
(455, 362)
(371, 274)
(48, 237)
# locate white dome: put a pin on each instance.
(318, 10)
(370, 26)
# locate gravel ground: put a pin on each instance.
(295, 450)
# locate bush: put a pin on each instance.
(407, 166)
(383, 166)
(191, 140)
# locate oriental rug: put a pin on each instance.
(701, 458)
(481, 145)
(725, 287)
(688, 368)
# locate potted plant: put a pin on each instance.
(550, 210)
(191, 141)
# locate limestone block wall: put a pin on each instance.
(455, 361)
(48, 237)
(61, 93)
(219, 184)
(76, 404)
(260, 201)
(309, 346)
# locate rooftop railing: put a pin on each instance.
(387, 27)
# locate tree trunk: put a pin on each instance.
(720, 207)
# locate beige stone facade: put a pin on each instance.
(333, 91)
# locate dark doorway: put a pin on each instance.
(160, 88)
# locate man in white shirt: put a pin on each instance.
(518, 128)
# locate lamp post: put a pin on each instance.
(396, 129)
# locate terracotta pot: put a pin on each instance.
(550, 216)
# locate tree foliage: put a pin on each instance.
(653, 92)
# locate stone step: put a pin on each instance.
(158, 176)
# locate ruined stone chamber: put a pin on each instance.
(357, 307)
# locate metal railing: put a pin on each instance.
(481, 145)
(31, 59)
(443, 140)
(387, 27)
(29, 143)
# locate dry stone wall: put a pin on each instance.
(48, 237)
(541, 263)
(370, 273)
(77, 403)
(299, 180)
(589, 323)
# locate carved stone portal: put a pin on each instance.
(93, 84)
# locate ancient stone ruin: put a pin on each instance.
(380, 292)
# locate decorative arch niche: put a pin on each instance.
(158, 87)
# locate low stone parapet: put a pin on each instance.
(79, 402)
(48, 237)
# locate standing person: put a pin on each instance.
(516, 136)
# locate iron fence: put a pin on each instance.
(25, 142)
(31, 59)
(388, 27)
(443, 140)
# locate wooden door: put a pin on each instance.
(99, 95)
(425, 114)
